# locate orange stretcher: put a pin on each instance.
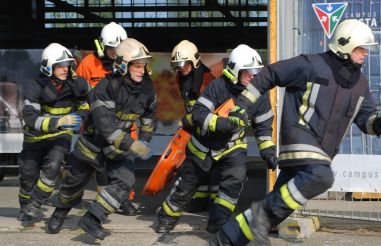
(174, 155)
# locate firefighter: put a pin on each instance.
(120, 99)
(192, 77)
(55, 106)
(94, 67)
(220, 141)
(325, 93)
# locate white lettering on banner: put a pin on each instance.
(369, 18)
(357, 173)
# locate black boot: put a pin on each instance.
(33, 209)
(22, 215)
(91, 224)
(262, 223)
(128, 208)
(165, 222)
(219, 239)
(56, 220)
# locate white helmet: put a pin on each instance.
(242, 57)
(350, 34)
(130, 50)
(55, 54)
(112, 34)
(183, 52)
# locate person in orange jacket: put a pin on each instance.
(193, 76)
(94, 68)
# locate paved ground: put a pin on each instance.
(138, 230)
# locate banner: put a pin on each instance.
(357, 173)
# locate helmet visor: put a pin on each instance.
(65, 63)
(252, 71)
(179, 64)
(371, 47)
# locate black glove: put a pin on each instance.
(268, 155)
(238, 119)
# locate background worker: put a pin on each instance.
(193, 76)
(220, 141)
(94, 67)
(120, 99)
(55, 106)
(325, 93)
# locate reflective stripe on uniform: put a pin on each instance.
(56, 111)
(36, 106)
(195, 151)
(224, 203)
(303, 155)
(99, 103)
(296, 194)
(263, 138)
(264, 117)
(107, 201)
(168, 210)
(304, 106)
(212, 124)
(251, 93)
(312, 101)
(206, 102)
(29, 139)
(287, 198)
(146, 121)
(84, 106)
(45, 125)
(129, 116)
(68, 199)
(201, 194)
(227, 198)
(298, 147)
(44, 187)
(38, 123)
(243, 225)
(86, 151)
(265, 144)
(146, 128)
(24, 195)
(218, 156)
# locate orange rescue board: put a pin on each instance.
(174, 155)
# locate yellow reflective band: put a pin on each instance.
(84, 106)
(189, 119)
(118, 139)
(29, 139)
(287, 198)
(213, 195)
(265, 144)
(147, 128)
(213, 123)
(242, 145)
(127, 117)
(72, 198)
(114, 153)
(244, 227)
(105, 204)
(246, 93)
(23, 195)
(190, 103)
(44, 187)
(195, 151)
(303, 155)
(304, 106)
(86, 151)
(45, 125)
(51, 110)
(169, 211)
(225, 203)
(200, 194)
